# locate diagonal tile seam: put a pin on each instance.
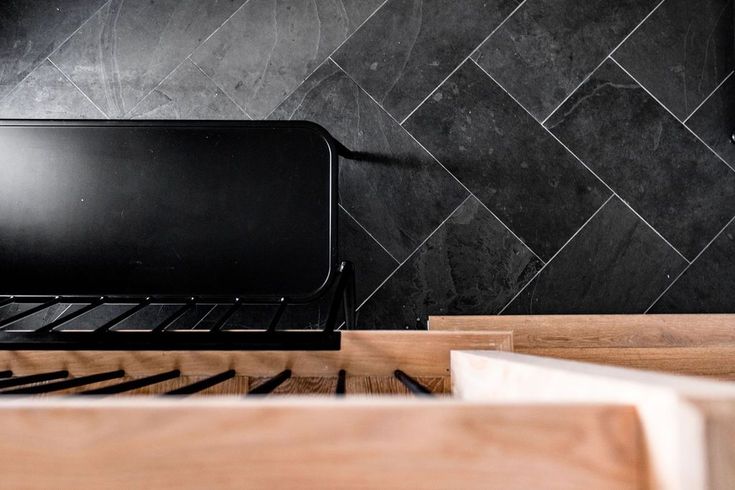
(158, 85)
(708, 97)
(368, 233)
(672, 114)
(469, 56)
(328, 57)
(415, 251)
(603, 61)
(614, 193)
(54, 51)
(557, 253)
(441, 164)
(689, 265)
(242, 109)
(103, 113)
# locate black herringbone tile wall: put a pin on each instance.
(530, 156)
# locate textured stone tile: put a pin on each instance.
(187, 94)
(714, 122)
(128, 47)
(31, 30)
(547, 48)
(668, 176)
(270, 46)
(514, 166)
(616, 264)
(471, 265)
(708, 285)
(682, 52)
(47, 94)
(408, 47)
(397, 191)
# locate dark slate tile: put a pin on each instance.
(97, 317)
(44, 317)
(682, 52)
(514, 166)
(548, 47)
(714, 122)
(396, 191)
(648, 157)
(47, 94)
(472, 265)
(269, 47)
(408, 47)
(30, 31)
(187, 94)
(128, 47)
(616, 264)
(708, 285)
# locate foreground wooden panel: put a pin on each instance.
(363, 353)
(688, 423)
(227, 443)
(702, 345)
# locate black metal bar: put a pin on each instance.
(342, 278)
(171, 340)
(341, 382)
(124, 316)
(6, 374)
(343, 151)
(203, 384)
(29, 312)
(161, 327)
(71, 316)
(413, 386)
(133, 384)
(33, 378)
(279, 313)
(66, 384)
(349, 295)
(271, 384)
(6, 301)
(223, 319)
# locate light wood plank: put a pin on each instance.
(681, 454)
(430, 444)
(363, 353)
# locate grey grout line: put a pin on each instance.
(53, 51)
(469, 56)
(130, 111)
(220, 88)
(689, 265)
(672, 114)
(603, 61)
(557, 253)
(63, 74)
(327, 58)
(415, 251)
(614, 193)
(369, 234)
(708, 97)
(438, 162)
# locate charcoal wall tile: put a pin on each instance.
(396, 191)
(408, 47)
(548, 47)
(507, 159)
(187, 94)
(30, 31)
(615, 264)
(708, 285)
(128, 47)
(714, 122)
(682, 52)
(650, 159)
(270, 46)
(47, 94)
(471, 265)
